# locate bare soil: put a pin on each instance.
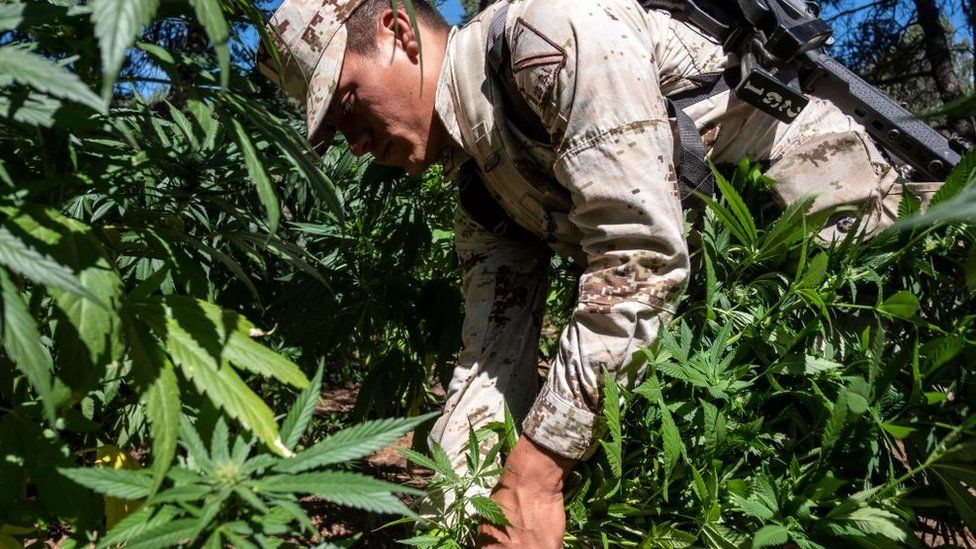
(338, 524)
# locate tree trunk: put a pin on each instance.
(969, 8)
(940, 60)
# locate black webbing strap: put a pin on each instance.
(485, 209)
(694, 173)
(516, 107)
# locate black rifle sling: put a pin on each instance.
(693, 170)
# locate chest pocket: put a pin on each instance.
(532, 199)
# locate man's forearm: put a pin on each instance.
(531, 464)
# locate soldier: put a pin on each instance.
(596, 182)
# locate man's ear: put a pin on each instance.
(397, 27)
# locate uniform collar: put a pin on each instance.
(452, 155)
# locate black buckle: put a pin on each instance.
(767, 92)
(763, 91)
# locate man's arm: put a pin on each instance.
(588, 71)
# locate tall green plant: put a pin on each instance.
(123, 222)
(225, 493)
(818, 396)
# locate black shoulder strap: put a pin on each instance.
(485, 209)
(499, 57)
(474, 196)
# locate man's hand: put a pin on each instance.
(530, 492)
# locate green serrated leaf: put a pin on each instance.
(22, 342)
(962, 499)
(291, 145)
(771, 535)
(871, 520)
(791, 226)
(221, 383)
(22, 15)
(909, 204)
(219, 442)
(715, 428)
(117, 23)
(12, 15)
(211, 16)
(31, 108)
(226, 389)
(815, 273)
(611, 413)
(16, 255)
(349, 489)
(160, 394)
(255, 169)
(352, 443)
(674, 447)
(301, 412)
(222, 335)
(183, 493)
(743, 217)
(489, 510)
(418, 458)
(117, 483)
(190, 439)
(838, 420)
(170, 534)
(46, 76)
(958, 179)
(753, 507)
(142, 520)
(88, 330)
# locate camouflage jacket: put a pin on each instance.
(595, 73)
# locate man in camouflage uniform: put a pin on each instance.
(595, 73)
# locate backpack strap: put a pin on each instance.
(500, 59)
(484, 209)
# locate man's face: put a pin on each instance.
(384, 104)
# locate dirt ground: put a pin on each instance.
(338, 524)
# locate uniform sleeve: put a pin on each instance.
(588, 69)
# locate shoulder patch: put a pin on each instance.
(531, 49)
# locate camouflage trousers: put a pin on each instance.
(823, 151)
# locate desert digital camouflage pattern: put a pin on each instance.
(310, 40)
(596, 72)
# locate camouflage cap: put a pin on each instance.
(310, 39)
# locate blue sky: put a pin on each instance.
(451, 9)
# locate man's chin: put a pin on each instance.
(411, 164)
(415, 166)
(409, 167)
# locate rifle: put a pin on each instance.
(782, 48)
